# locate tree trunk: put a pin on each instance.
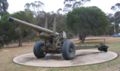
(116, 28)
(82, 37)
(20, 41)
(18, 30)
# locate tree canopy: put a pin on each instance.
(87, 21)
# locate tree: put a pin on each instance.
(27, 6)
(112, 29)
(116, 7)
(116, 17)
(83, 1)
(117, 21)
(87, 21)
(3, 6)
(72, 4)
(23, 31)
(35, 7)
(6, 29)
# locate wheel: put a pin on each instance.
(103, 48)
(38, 51)
(68, 50)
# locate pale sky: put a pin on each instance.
(53, 5)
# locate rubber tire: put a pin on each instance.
(68, 50)
(38, 52)
(103, 48)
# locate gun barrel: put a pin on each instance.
(34, 26)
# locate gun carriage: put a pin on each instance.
(54, 42)
(51, 42)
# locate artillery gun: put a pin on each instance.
(52, 42)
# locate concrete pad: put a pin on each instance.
(83, 57)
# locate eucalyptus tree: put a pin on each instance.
(3, 6)
(35, 7)
(69, 5)
(116, 17)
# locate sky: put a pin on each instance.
(54, 5)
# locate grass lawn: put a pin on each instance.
(7, 54)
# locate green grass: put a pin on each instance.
(7, 54)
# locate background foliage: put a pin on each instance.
(87, 21)
(83, 21)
